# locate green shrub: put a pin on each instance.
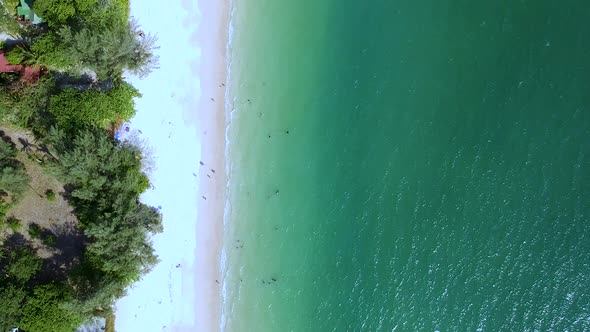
(75, 109)
(13, 177)
(14, 224)
(24, 264)
(50, 194)
(34, 231)
(16, 56)
(50, 240)
(45, 311)
(3, 209)
(11, 303)
(30, 106)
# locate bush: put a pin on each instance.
(8, 23)
(11, 302)
(3, 209)
(50, 194)
(14, 224)
(23, 265)
(50, 240)
(45, 311)
(34, 231)
(75, 109)
(30, 104)
(16, 56)
(13, 178)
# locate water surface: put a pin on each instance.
(409, 166)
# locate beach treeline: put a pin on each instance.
(73, 234)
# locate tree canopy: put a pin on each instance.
(107, 180)
(13, 178)
(23, 265)
(73, 108)
(46, 311)
(60, 12)
(11, 302)
(83, 36)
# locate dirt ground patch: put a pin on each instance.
(53, 217)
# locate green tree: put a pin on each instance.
(23, 265)
(7, 152)
(7, 21)
(11, 302)
(106, 51)
(16, 56)
(14, 224)
(47, 310)
(34, 231)
(13, 178)
(28, 105)
(59, 12)
(75, 109)
(107, 180)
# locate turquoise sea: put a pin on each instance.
(403, 165)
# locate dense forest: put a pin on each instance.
(73, 234)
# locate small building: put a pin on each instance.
(29, 74)
(6, 67)
(25, 13)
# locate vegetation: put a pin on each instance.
(50, 194)
(23, 265)
(86, 45)
(34, 231)
(7, 21)
(14, 224)
(107, 52)
(12, 299)
(77, 109)
(93, 35)
(49, 240)
(16, 56)
(13, 178)
(46, 310)
(4, 207)
(27, 105)
(107, 182)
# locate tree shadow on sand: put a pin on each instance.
(7, 139)
(67, 244)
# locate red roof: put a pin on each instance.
(28, 73)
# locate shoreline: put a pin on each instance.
(213, 37)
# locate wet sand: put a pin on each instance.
(212, 37)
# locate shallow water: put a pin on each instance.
(408, 166)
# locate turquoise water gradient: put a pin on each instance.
(409, 166)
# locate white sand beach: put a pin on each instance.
(181, 117)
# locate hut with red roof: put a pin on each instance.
(28, 74)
